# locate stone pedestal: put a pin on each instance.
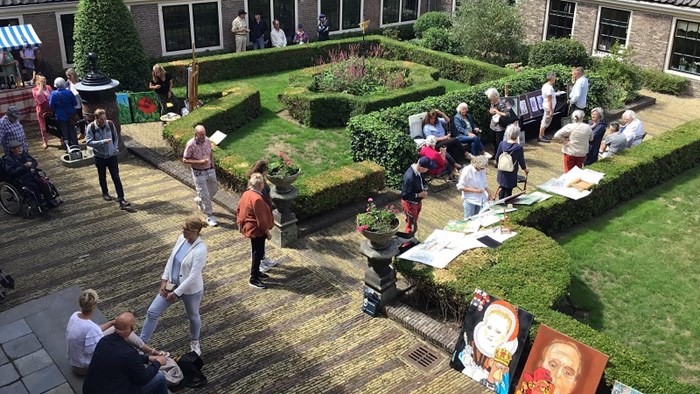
(379, 275)
(285, 232)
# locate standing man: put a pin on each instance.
(323, 27)
(277, 36)
(579, 92)
(199, 156)
(103, 138)
(117, 368)
(11, 130)
(239, 28)
(413, 191)
(258, 31)
(254, 219)
(549, 102)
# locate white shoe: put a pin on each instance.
(264, 267)
(194, 346)
(488, 155)
(269, 262)
(211, 221)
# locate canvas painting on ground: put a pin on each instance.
(561, 365)
(144, 107)
(491, 341)
(621, 388)
(124, 108)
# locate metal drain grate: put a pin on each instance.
(422, 357)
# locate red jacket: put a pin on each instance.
(435, 156)
(254, 215)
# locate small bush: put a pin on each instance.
(566, 51)
(438, 39)
(621, 72)
(659, 81)
(433, 19)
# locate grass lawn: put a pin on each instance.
(314, 150)
(637, 271)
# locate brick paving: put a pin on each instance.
(304, 334)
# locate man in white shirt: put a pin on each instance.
(549, 102)
(277, 36)
(634, 128)
(579, 92)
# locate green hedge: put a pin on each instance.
(231, 66)
(381, 136)
(659, 81)
(335, 109)
(566, 51)
(626, 175)
(432, 20)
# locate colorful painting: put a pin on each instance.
(560, 365)
(492, 339)
(144, 107)
(124, 108)
(621, 388)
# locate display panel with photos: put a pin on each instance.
(514, 103)
(561, 365)
(524, 110)
(491, 341)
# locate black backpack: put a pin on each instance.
(191, 365)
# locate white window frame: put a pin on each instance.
(61, 43)
(340, 25)
(20, 18)
(546, 19)
(594, 50)
(669, 48)
(400, 22)
(271, 13)
(163, 48)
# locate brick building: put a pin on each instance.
(664, 33)
(168, 27)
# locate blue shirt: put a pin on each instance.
(177, 262)
(62, 102)
(438, 130)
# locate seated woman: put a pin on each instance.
(615, 141)
(82, 334)
(468, 132)
(443, 160)
(432, 125)
(9, 68)
(23, 168)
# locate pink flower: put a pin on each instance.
(370, 199)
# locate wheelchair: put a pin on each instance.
(16, 198)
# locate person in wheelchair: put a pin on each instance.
(22, 169)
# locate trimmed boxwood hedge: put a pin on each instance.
(318, 109)
(231, 66)
(659, 81)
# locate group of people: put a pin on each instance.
(12, 72)
(258, 31)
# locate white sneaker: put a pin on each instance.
(194, 346)
(269, 262)
(264, 267)
(211, 221)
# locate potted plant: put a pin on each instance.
(282, 172)
(378, 225)
(683, 64)
(693, 67)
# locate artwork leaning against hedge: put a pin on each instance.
(144, 107)
(124, 108)
(562, 363)
(491, 341)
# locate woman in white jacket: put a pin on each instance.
(181, 279)
(576, 137)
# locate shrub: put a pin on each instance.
(624, 76)
(432, 20)
(566, 51)
(659, 81)
(97, 24)
(438, 39)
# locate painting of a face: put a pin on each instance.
(563, 361)
(495, 330)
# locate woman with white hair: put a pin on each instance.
(62, 103)
(443, 160)
(507, 180)
(576, 137)
(472, 184)
(499, 107)
(467, 131)
(633, 129)
(598, 125)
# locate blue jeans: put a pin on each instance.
(475, 141)
(259, 43)
(157, 385)
(160, 304)
(470, 209)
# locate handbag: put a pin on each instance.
(510, 117)
(191, 366)
(173, 373)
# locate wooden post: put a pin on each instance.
(505, 90)
(193, 82)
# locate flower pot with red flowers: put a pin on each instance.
(282, 172)
(378, 225)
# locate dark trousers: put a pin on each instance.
(504, 192)
(453, 146)
(573, 108)
(68, 132)
(258, 252)
(113, 164)
(497, 138)
(38, 185)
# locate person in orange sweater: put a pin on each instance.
(254, 219)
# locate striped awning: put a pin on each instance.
(17, 37)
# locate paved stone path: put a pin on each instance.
(304, 334)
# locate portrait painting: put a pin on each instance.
(558, 364)
(491, 341)
(621, 388)
(533, 104)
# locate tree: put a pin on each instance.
(106, 27)
(489, 30)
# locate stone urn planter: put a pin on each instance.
(283, 185)
(380, 240)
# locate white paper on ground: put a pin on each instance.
(217, 137)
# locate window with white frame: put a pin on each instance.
(342, 14)
(685, 52)
(612, 28)
(560, 19)
(399, 11)
(10, 22)
(282, 10)
(187, 23)
(66, 24)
